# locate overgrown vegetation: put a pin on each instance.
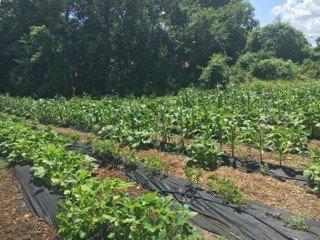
(142, 47)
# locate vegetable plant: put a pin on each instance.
(194, 175)
(204, 151)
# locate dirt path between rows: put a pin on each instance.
(16, 222)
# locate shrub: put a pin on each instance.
(248, 60)
(216, 72)
(274, 68)
(310, 69)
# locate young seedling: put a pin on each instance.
(194, 175)
(298, 223)
(260, 138)
(313, 169)
(154, 165)
(227, 190)
(281, 144)
(264, 167)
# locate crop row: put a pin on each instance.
(266, 115)
(92, 209)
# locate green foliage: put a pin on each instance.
(273, 68)
(50, 161)
(125, 47)
(129, 157)
(216, 72)
(193, 174)
(92, 208)
(310, 69)
(2, 165)
(313, 170)
(110, 212)
(154, 165)
(297, 223)
(204, 151)
(282, 40)
(227, 190)
(233, 134)
(108, 149)
(264, 167)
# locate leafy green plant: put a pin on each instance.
(297, 223)
(2, 165)
(233, 134)
(281, 143)
(154, 165)
(204, 151)
(264, 167)
(193, 174)
(103, 209)
(260, 137)
(129, 157)
(92, 208)
(108, 149)
(313, 169)
(227, 190)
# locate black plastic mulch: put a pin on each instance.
(41, 200)
(250, 221)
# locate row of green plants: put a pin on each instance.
(198, 159)
(277, 116)
(313, 169)
(92, 209)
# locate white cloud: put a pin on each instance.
(303, 14)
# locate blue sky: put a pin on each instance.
(302, 14)
(264, 8)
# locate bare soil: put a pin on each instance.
(16, 222)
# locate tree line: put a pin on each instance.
(67, 47)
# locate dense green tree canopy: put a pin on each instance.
(50, 47)
(282, 40)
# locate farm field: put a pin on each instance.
(190, 136)
(159, 120)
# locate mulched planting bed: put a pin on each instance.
(16, 222)
(286, 195)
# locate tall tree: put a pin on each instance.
(282, 40)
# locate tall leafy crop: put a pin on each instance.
(233, 115)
